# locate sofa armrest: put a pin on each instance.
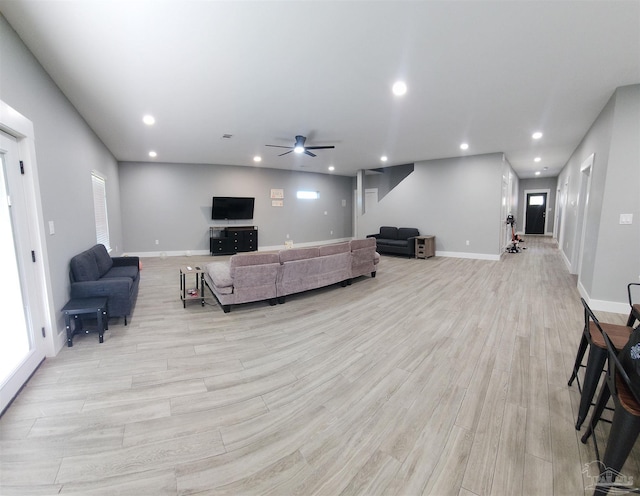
(411, 244)
(125, 261)
(373, 235)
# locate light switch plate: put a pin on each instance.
(626, 218)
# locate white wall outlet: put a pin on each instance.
(330, 232)
(287, 236)
(157, 241)
(52, 228)
(626, 218)
(467, 242)
(344, 203)
(325, 212)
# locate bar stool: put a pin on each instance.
(592, 337)
(634, 314)
(625, 425)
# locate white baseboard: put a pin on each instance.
(187, 253)
(603, 305)
(459, 254)
(180, 253)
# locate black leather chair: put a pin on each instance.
(625, 425)
(592, 338)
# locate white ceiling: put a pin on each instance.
(489, 73)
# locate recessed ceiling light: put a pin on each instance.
(537, 173)
(332, 168)
(383, 158)
(399, 88)
(536, 135)
(153, 154)
(257, 158)
(537, 159)
(464, 146)
(149, 120)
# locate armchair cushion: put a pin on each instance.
(84, 267)
(103, 260)
(388, 232)
(407, 232)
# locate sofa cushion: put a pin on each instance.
(84, 267)
(244, 259)
(388, 232)
(334, 249)
(359, 244)
(220, 275)
(130, 271)
(298, 254)
(103, 260)
(393, 242)
(407, 232)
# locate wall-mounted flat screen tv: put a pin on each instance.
(232, 208)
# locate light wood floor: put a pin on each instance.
(439, 376)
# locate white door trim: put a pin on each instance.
(18, 126)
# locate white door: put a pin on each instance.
(370, 199)
(20, 349)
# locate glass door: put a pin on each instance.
(20, 352)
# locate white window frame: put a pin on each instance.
(99, 186)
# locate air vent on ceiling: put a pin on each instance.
(227, 136)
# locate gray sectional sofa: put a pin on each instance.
(94, 273)
(271, 277)
(396, 240)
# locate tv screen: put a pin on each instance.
(232, 208)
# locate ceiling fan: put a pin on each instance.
(300, 148)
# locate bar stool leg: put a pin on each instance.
(603, 398)
(595, 366)
(624, 432)
(581, 350)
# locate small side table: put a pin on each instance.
(82, 306)
(425, 246)
(184, 296)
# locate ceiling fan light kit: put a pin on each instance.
(299, 147)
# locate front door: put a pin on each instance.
(536, 212)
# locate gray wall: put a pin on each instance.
(611, 256)
(171, 203)
(456, 199)
(66, 151)
(549, 183)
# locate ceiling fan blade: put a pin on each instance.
(284, 152)
(307, 152)
(279, 146)
(318, 147)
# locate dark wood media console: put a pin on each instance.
(230, 240)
